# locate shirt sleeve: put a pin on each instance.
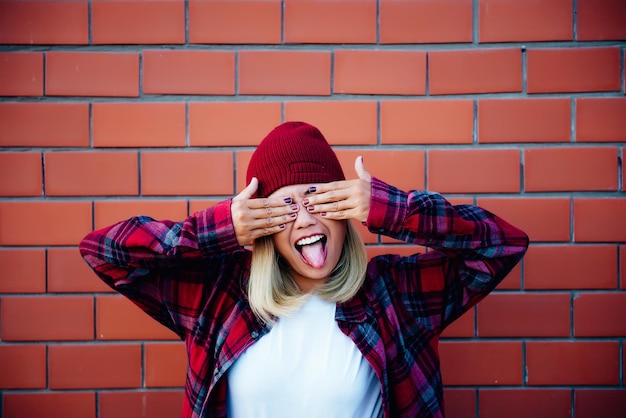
(471, 251)
(164, 267)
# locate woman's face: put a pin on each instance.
(311, 244)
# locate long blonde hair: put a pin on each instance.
(272, 292)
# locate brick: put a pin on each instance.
(20, 174)
(379, 72)
(188, 72)
(188, 173)
(68, 273)
(572, 363)
(91, 173)
(166, 365)
(570, 169)
(427, 122)
(58, 318)
(525, 21)
(219, 123)
(524, 120)
(21, 73)
(22, 366)
(513, 281)
(543, 219)
(600, 20)
(403, 169)
(235, 21)
(336, 22)
(23, 270)
(44, 124)
(598, 219)
(570, 267)
(139, 124)
(44, 223)
(48, 405)
(358, 126)
(284, 73)
(605, 403)
(524, 315)
(94, 366)
(481, 363)
(463, 327)
(92, 74)
(430, 21)
(138, 22)
(475, 71)
(600, 120)
(153, 404)
(198, 205)
(460, 403)
(622, 274)
(108, 212)
(117, 318)
(573, 70)
(522, 403)
(471, 170)
(596, 315)
(44, 22)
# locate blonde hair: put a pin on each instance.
(272, 292)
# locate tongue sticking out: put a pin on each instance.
(314, 254)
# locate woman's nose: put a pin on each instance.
(305, 218)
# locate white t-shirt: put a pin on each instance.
(304, 367)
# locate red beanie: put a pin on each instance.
(293, 153)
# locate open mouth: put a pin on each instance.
(313, 250)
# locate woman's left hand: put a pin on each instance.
(347, 199)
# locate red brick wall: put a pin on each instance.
(115, 108)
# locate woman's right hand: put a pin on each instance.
(254, 218)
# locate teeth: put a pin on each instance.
(309, 240)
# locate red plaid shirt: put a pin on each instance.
(191, 276)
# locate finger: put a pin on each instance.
(359, 167)
(249, 191)
(269, 202)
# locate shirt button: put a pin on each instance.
(254, 335)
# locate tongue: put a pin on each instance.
(314, 255)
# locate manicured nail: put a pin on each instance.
(281, 226)
(305, 202)
(310, 208)
(287, 200)
(293, 215)
(293, 207)
(312, 189)
(323, 213)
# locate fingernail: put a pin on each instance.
(310, 208)
(281, 226)
(305, 202)
(287, 200)
(312, 189)
(323, 213)
(293, 215)
(293, 207)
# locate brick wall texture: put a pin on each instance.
(112, 108)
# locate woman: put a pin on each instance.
(303, 325)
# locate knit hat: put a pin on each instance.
(293, 153)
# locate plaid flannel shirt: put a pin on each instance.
(191, 277)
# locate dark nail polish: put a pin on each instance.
(310, 208)
(305, 202)
(281, 226)
(312, 189)
(323, 213)
(293, 215)
(287, 200)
